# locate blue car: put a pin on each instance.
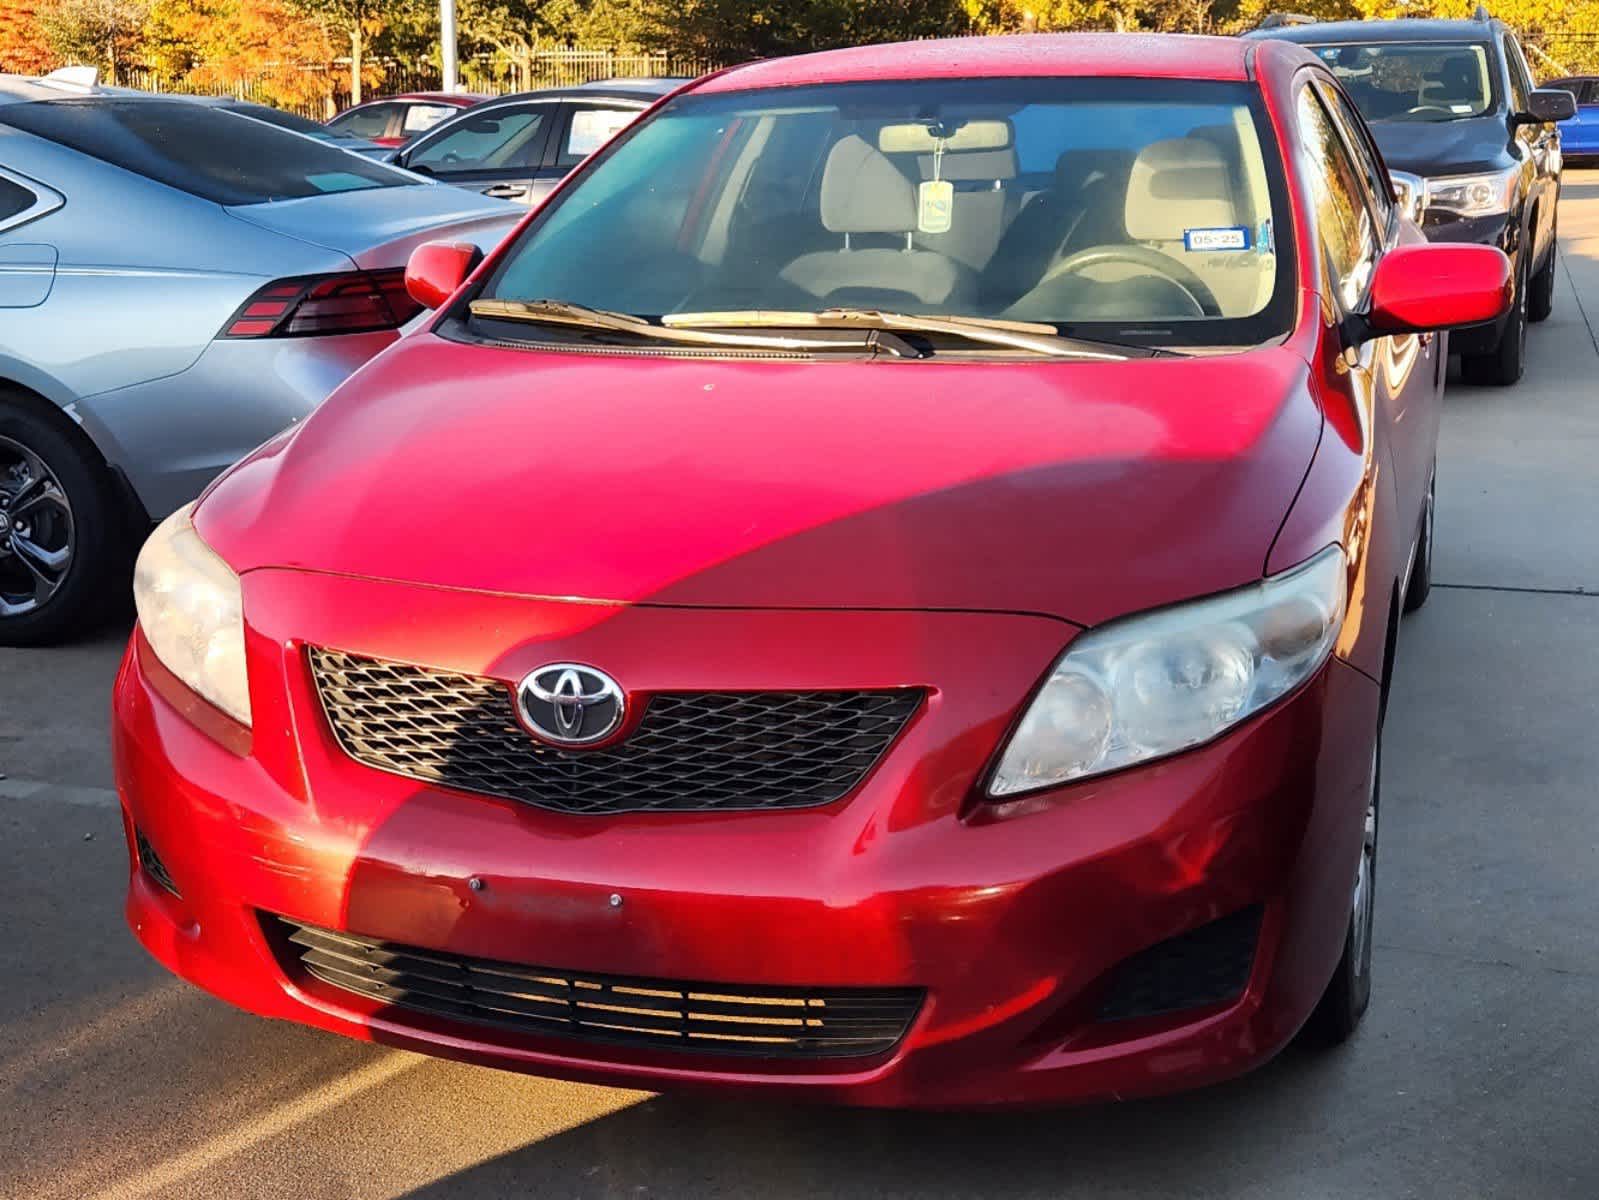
(178, 283)
(1579, 138)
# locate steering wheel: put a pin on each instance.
(1419, 109)
(1163, 265)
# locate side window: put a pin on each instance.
(368, 121)
(1343, 222)
(1520, 81)
(14, 200)
(485, 141)
(1379, 188)
(589, 129)
(422, 117)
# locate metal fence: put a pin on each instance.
(318, 90)
(1556, 52)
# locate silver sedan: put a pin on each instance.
(177, 284)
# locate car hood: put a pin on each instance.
(379, 227)
(1079, 490)
(1444, 147)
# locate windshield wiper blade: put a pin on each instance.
(564, 312)
(1033, 336)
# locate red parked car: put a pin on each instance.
(395, 120)
(884, 589)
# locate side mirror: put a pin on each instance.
(1421, 288)
(1410, 191)
(1545, 106)
(438, 269)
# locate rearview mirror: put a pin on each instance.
(1422, 288)
(1547, 105)
(919, 137)
(436, 270)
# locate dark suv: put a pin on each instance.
(1472, 145)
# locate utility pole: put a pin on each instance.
(447, 44)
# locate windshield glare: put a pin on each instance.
(1125, 210)
(1414, 82)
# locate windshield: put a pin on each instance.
(1417, 81)
(1121, 210)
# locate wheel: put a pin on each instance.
(1541, 294)
(1348, 993)
(1419, 586)
(1503, 365)
(58, 543)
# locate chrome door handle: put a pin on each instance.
(507, 191)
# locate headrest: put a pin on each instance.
(1075, 169)
(1178, 184)
(863, 192)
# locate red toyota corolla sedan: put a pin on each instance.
(883, 589)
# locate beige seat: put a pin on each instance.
(1185, 184)
(863, 193)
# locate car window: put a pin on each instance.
(1161, 221)
(485, 141)
(207, 152)
(367, 121)
(421, 117)
(1368, 163)
(1343, 222)
(14, 199)
(1520, 77)
(589, 129)
(1414, 81)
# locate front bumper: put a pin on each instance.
(1012, 920)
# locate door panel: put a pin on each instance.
(495, 152)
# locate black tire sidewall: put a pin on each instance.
(1419, 585)
(1541, 300)
(82, 596)
(1505, 364)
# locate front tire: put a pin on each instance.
(1541, 295)
(1419, 586)
(58, 543)
(1348, 994)
(1505, 364)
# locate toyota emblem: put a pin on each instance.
(571, 705)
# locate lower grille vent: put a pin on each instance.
(712, 1018)
(1205, 966)
(151, 862)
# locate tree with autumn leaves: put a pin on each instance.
(287, 49)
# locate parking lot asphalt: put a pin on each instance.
(1474, 1076)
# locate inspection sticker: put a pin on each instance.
(1231, 237)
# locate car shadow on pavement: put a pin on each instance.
(698, 1146)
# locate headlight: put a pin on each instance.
(1474, 195)
(1151, 685)
(192, 614)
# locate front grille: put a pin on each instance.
(691, 751)
(1205, 966)
(151, 862)
(714, 1018)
